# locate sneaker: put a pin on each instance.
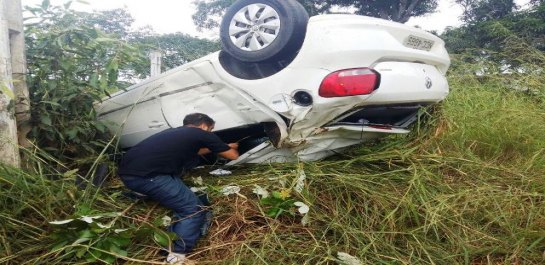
(176, 258)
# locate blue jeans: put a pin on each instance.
(172, 193)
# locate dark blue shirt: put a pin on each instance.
(169, 152)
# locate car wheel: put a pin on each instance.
(263, 30)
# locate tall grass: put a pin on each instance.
(466, 187)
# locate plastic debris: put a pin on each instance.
(166, 220)
(198, 181)
(303, 208)
(347, 259)
(198, 189)
(228, 190)
(305, 220)
(300, 184)
(220, 172)
(260, 191)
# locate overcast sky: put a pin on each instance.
(167, 16)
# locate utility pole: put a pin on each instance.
(13, 89)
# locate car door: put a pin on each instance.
(198, 88)
(135, 114)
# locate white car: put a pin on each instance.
(292, 88)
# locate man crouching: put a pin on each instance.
(154, 166)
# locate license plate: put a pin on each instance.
(418, 43)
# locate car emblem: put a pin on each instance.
(428, 83)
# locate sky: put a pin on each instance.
(169, 16)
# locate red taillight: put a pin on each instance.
(350, 82)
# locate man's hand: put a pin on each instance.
(232, 153)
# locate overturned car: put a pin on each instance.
(292, 88)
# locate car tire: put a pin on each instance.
(263, 30)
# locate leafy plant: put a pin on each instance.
(85, 238)
(279, 203)
(71, 64)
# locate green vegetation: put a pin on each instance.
(210, 12)
(77, 58)
(466, 188)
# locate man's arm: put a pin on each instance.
(204, 151)
(232, 153)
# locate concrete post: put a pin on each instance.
(155, 57)
(9, 151)
(18, 67)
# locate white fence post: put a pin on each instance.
(155, 57)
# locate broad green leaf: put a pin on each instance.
(86, 234)
(90, 258)
(109, 259)
(115, 249)
(161, 238)
(121, 242)
(277, 195)
(81, 240)
(46, 120)
(59, 245)
(72, 133)
(81, 251)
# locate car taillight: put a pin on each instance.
(349, 82)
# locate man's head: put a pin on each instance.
(199, 120)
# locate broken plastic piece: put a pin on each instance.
(220, 172)
(228, 190)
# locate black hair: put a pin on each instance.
(196, 119)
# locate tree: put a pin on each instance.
(77, 58)
(72, 63)
(177, 49)
(489, 34)
(209, 12)
(506, 42)
(486, 10)
(395, 10)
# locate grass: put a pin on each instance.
(466, 187)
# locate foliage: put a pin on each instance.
(86, 238)
(93, 227)
(486, 10)
(467, 187)
(176, 48)
(77, 58)
(71, 64)
(210, 12)
(501, 41)
(278, 204)
(395, 10)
